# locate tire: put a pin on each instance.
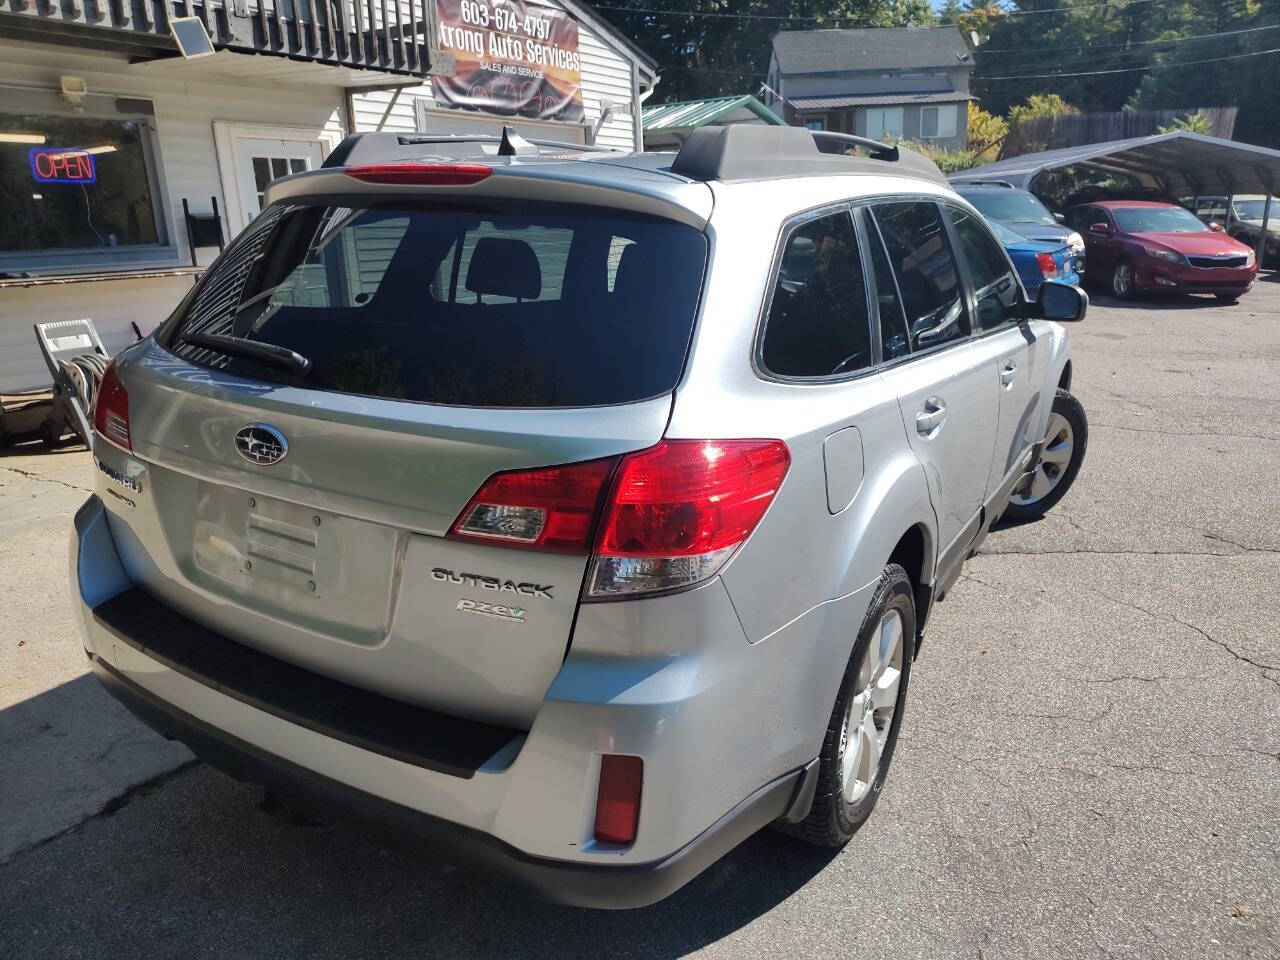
(1122, 281)
(1067, 438)
(842, 802)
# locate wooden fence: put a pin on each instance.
(1070, 130)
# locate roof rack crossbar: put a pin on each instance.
(390, 147)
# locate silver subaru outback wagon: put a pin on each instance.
(576, 515)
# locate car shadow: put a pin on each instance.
(195, 864)
(1172, 301)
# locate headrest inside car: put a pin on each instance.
(504, 267)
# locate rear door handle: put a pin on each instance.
(1007, 373)
(931, 416)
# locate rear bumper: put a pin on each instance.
(577, 884)
(516, 805)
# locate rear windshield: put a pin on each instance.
(1015, 206)
(445, 304)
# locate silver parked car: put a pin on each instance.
(576, 515)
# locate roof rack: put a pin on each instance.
(391, 147)
(751, 152)
(981, 182)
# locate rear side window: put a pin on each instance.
(926, 270)
(527, 307)
(818, 323)
(893, 324)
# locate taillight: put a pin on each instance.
(673, 514)
(421, 174)
(111, 409)
(1048, 266)
(618, 798)
(678, 510)
(552, 508)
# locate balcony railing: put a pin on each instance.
(384, 35)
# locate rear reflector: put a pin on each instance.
(1048, 266)
(618, 798)
(111, 409)
(421, 174)
(553, 508)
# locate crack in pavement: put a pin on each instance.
(112, 806)
(1173, 618)
(29, 475)
(1121, 553)
(1093, 424)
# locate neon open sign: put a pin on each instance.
(60, 165)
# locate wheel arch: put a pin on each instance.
(915, 553)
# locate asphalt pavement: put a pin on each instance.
(1089, 763)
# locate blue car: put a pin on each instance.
(1038, 260)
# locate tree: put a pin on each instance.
(950, 11)
(1125, 54)
(1191, 123)
(1040, 105)
(706, 56)
(986, 131)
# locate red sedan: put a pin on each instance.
(1134, 246)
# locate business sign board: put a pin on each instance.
(512, 57)
(62, 165)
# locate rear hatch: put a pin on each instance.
(319, 413)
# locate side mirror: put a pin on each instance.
(1060, 301)
(1060, 217)
(1100, 228)
(1215, 226)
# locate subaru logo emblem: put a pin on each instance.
(261, 443)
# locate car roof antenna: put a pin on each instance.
(514, 145)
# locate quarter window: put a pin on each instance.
(993, 282)
(926, 271)
(818, 323)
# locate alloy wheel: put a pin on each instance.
(1058, 442)
(869, 713)
(1122, 280)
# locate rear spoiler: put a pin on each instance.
(746, 152)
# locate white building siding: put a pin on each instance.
(185, 110)
(605, 75)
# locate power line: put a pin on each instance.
(712, 14)
(1136, 43)
(1036, 52)
(1151, 66)
(1092, 55)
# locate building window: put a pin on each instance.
(815, 123)
(938, 121)
(884, 122)
(76, 190)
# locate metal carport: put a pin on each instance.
(1181, 164)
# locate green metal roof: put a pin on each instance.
(697, 113)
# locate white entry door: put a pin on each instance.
(252, 158)
(258, 162)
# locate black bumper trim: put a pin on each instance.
(585, 885)
(392, 728)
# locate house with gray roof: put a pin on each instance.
(902, 82)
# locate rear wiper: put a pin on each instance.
(267, 353)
